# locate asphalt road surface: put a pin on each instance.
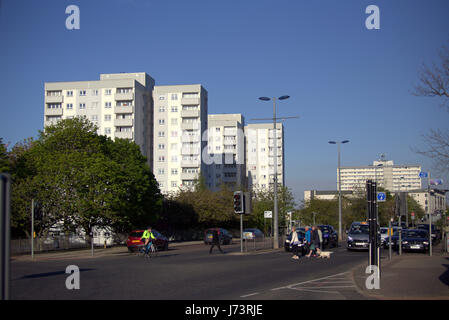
(191, 273)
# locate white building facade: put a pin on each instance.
(180, 125)
(394, 178)
(120, 105)
(260, 155)
(226, 149)
(431, 202)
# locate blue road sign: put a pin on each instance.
(381, 196)
(423, 174)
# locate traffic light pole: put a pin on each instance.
(32, 228)
(241, 233)
(430, 215)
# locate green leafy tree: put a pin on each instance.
(83, 180)
(4, 161)
(263, 200)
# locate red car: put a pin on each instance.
(133, 243)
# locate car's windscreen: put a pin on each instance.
(136, 234)
(359, 229)
(383, 231)
(416, 234)
(325, 229)
(156, 234)
(425, 227)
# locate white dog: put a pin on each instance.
(324, 254)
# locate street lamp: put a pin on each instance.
(275, 218)
(339, 186)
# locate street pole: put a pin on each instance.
(430, 216)
(5, 235)
(400, 233)
(339, 195)
(340, 233)
(389, 239)
(276, 214)
(275, 154)
(241, 233)
(32, 228)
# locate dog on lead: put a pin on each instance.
(324, 254)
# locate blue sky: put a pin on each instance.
(345, 81)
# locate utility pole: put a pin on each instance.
(430, 215)
(275, 213)
(32, 228)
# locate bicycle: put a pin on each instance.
(152, 252)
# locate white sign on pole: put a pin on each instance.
(268, 214)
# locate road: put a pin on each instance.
(191, 273)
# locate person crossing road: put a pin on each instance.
(216, 240)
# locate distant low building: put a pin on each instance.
(434, 202)
(325, 195)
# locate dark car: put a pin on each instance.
(224, 235)
(134, 243)
(302, 241)
(436, 234)
(415, 240)
(330, 237)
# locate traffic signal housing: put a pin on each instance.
(239, 202)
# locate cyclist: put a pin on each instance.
(147, 238)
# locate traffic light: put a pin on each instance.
(239, 202)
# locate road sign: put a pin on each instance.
(268, 214)
(423, 174)
(381, 196)
(413, 215)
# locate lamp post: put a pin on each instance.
(339, 187)
(275, 214)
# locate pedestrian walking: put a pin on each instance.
(320, 234)
(216, 241)
(314, 242)
(294, 244)
(308, 241)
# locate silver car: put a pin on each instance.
(358, 236)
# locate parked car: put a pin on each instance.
(253, 234)
(415, 240)
(436, 233)
(301, 238)
(134, 243)
(224, 235)
(330, 236)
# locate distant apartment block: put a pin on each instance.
(119, 104)
(394, 178)
(180, 121)
(226, 150)
(260, 155)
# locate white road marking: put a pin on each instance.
(309, 281)
(249, 295)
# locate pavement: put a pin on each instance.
(87, 253)
(410, 276)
